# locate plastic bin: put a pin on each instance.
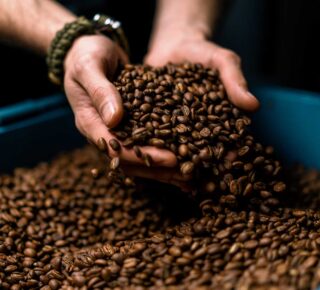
(36, 130)
(289, 120)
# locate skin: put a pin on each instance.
(92, 61)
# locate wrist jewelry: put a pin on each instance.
(71, 31)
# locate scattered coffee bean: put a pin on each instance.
(115, 145)
(62, 228)
(102, 145)
(114, 163)
(193, 118)
(187, 168)
(147, 160)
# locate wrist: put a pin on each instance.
(71, 32)
(184, 19)
(175, 35)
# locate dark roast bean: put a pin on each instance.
(61, 228)
(115, 145)
(183, 150)
(102, 145)
(187, 168)
(157, 142)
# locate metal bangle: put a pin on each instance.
(112, 28)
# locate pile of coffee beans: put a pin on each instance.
(59, 208)
(67, 225)
(304, 187)
(184, 108)
(62, 228)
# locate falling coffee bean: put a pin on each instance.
(102, 145)
(114, 163)
(115, 145)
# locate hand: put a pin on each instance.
(89, 66)
(177, 48)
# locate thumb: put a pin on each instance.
(105, 97)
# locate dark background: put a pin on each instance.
(276, 40)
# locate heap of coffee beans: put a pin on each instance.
(62, 228)
(68, 225)
(59, 208)
(184, 108)
(304, 187)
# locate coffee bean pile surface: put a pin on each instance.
(61, 228)
(184, 108)
(67, 225)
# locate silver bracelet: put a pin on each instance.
(111, 28)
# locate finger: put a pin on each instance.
(229, 67)
(164, 174)
(90, 124)
(158, 174)
(160, 157)
(105, 97)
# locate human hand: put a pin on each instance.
(176, 47)
(89, 66)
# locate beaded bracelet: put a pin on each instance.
(70, 32)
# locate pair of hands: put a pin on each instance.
(90, 65)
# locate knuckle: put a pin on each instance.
(103, 109)
(232, 56)
(98, 93)
(84, 63)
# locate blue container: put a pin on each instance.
(289, 120)
(36, 130)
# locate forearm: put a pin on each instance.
(188, 17)
(32, 23)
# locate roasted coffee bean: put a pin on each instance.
(114, 163)
(29, 252)
(102, 145)
(210, 187)
(187, 168)
(115, 145)
(62, 228)
(183, 150)
(137, 151)
(223, 234)
(146, 108)
(279, 187)
(175, 251)
(157, 142)
(95, 172)
(147, 160)
(250, 245)
(121, 135)
(223, 242)
(54, 284)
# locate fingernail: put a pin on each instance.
(254, 102)
(109, 113)
(251, 95)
